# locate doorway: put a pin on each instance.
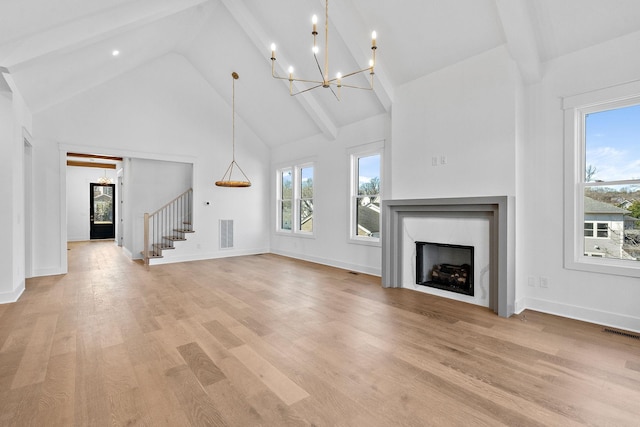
(102, 211)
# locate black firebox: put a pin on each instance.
(445, 266)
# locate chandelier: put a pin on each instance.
(226, 180)
(326, 81)
(105, 180)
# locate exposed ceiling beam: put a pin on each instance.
(91, 164)
(259, 38)
(95, 156)
(351, 28)
(88, 30)
(521, 39)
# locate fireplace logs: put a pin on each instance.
(452, 275)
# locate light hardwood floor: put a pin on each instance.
(267, 340)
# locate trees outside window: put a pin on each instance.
(295, 199)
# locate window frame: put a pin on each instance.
(576, 108)
(280, 200)
(296, 199)
(376, 148)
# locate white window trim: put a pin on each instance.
(296, 178)
(575, 108)
(354, 154)
(279, 199)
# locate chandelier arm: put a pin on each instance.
(275, 76)
(320, 68)
(337, 95)
(358, 87)
(355, 72)
(307, 90)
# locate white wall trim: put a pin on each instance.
(206, 256)
(590, 315)
(330, 262)
(9, 297)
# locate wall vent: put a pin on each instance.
(622, 333)
(226, 233)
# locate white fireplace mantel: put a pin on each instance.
(499, 209)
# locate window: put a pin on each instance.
(366, 195)
(285, 199)
(602, 181)
(295, 199)
(305, 222)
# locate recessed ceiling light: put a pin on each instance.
(115, 53)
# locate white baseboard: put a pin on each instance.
(54, 271)
(9, 297)
(204, 256)
(374, 271)
(604, 318)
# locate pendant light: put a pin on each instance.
(227, 180)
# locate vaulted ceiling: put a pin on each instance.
(56, 50)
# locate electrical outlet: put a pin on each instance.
(532, 281)
(544, 282)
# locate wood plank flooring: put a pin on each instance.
(267, 340)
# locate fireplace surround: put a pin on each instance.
(499, 210)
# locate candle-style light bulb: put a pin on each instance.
(314, 21)
(315, 49)
(371, 63)
(273, 51)
(374, 36)
(339, 79)
(290, 73)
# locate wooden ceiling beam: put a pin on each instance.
(91, 164)
(94, 156)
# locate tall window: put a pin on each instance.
(602, 223)
(305, 219)
(366, 196)
(295, 199)
(285, 199)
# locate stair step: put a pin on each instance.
(183, 230)
(174, 238)
(163, 246)
(152, 254)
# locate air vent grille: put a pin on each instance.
(622, 333)
(226, 233)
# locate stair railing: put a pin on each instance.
(166, 224)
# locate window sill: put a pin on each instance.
(298, 234)
(605, 266)
(365, 242)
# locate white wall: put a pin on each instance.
(15, 118)
(465, 113)
(78, 180)
(166, 111)
(330, 244)
(605, 299)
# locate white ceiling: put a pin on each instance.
(56, 50)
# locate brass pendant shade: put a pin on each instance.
(227, 180)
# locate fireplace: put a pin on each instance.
(499, 210)
(445, 266)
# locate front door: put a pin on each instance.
(102, 211)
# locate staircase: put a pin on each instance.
(169, 224)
